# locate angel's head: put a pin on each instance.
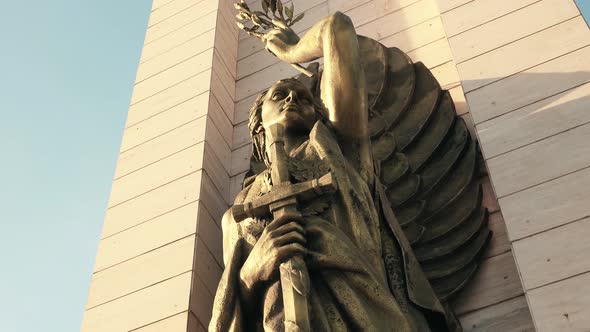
(289, 103)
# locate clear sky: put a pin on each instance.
(584, 6)
(67, 69)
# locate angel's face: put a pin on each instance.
(289, 104)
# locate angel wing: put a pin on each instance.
(429, 164)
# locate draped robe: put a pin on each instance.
(364, 276)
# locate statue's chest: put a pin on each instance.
(302, 167)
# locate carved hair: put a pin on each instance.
(257, 129)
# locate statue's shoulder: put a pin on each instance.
(253, 185)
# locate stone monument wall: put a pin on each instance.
(525, 72)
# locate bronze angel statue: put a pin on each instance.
(362, 210)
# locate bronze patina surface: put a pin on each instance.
(362, 210)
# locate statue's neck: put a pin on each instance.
(292, 140)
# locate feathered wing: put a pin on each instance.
(428, 163)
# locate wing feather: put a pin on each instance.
(426, 96)
(429, 163)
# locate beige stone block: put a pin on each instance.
(315, 11)
(161, 147)
(416, 36)
(496, 281)
(201, 301)
(313, 14)
(458, 96)
(141, 308)
(240, 160)
(212, 199)
(152, 204)
(176, 323)
(373, 10)
(523, 54)
(190, 15)
(161, 123)
(535, 122)
(553, 255)
(251, 45)
(172, 76)
(220, 119)
(500, 242)
(226, 39)
(490, 201)
(433, 54)
(562, 306)
(194, 325)
(170, 9)
(548, 205)
(510, 315)
(159, 173)
(175, 56)
(159, 3)
(142, 271)
(263, 79)
(385, 26)
(236, 185)
(147, 236)
(184, 112)
(511, 27)
(225, 76)
(209, 231)
(446, 5)
(304, 5)
(541, 161)
(479, 12)
(344, 5)
(255, 62)
(447, 75)
(217, 172)
(178, 37)
(223, 96)
(206, 267)
(226, 46)
(469, 123)
(241, 135)
(242, 109)
(171, 97)
(227, 13)
(218, 144)
(529, 86)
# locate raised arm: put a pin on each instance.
(343, 82)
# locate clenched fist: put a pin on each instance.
(281, 41)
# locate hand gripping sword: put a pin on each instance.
(282, 202)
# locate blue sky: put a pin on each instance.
(584, 6)
(67, 70)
